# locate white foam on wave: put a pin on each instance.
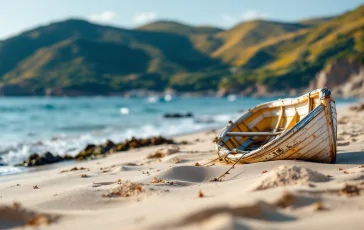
(7, 170)
(225, 117)
(71, 145)
(124, 111)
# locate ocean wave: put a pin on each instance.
(12, 109)
(7, 170)
(71, 145)
(83, 127)
(22, 108)
(151, 110)
(67, 125)
(220, 118)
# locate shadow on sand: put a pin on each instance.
(350, 158)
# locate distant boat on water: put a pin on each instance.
(156, 99)
(232, 97)
(168, 97)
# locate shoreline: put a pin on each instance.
(341, 107)
(26, 169)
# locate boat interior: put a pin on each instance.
(267, 121)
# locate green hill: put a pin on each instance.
(296, 58)
(248, 34)
(315, 21)
(179, 28)
(77, 54)
(77, 57)
(202, 37)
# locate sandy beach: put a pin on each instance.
(169, 187)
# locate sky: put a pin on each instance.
(19, 15)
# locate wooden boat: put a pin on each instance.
(302, 128)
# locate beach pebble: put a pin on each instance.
(45, 158)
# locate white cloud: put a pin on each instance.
(252, 15)
(103, 17)
(144, 17)
(249, 15)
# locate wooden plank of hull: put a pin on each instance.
(331, 126)
(328, 154)
(334, 114)
(304, 138)
(315, 148)
(280, 147)
(315, 133)
(312, 145)
(323, 156)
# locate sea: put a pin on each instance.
(65, 125)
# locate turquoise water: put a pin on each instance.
(67, 125)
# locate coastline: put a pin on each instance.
(56, 125)
(84, 198)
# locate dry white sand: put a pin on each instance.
(130, 190)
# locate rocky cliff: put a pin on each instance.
(344, 77)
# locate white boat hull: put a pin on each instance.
(311, 138)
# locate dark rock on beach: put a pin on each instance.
(2, 163)
(67, 157)
(49, 158)
(45, 158)
(90, 146)
(93, 151)
(177, 115)
(109, 143)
